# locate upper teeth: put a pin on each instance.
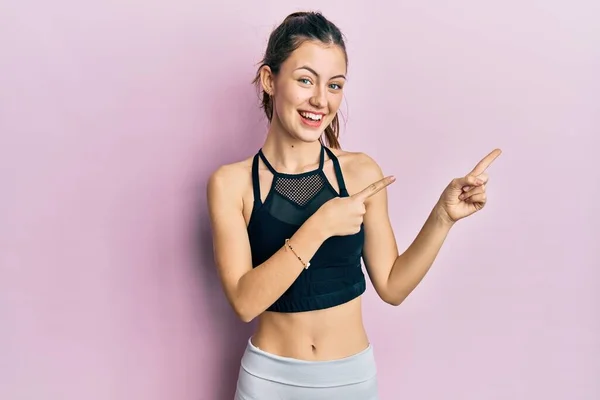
(312, 116)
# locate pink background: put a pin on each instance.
(113, 115)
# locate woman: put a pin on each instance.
(291, 224)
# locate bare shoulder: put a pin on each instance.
(359, 169)
(229, 181)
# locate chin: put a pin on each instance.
(310, 131)
(307, 137)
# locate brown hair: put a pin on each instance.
(295, 29)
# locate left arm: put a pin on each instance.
(395, 276)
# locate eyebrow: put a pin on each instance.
(315, 72)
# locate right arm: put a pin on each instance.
(250, 291)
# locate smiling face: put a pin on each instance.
(307, 90)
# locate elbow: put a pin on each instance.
(394, 299)
(241, 306)
(243, 313)
(394, 295)
(247, 318)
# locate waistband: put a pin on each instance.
(356, 368)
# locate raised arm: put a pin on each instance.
(251, 291)
(395, 275)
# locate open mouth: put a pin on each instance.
(311, 119)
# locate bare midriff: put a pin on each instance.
(319, 335)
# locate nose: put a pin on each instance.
(319, 98)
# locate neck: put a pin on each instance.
(287, 154)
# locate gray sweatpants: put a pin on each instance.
(265, 376)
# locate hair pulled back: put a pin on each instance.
(296, 29)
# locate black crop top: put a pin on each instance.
(335, 274)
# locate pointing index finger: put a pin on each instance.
(485, 162)
(374, 188)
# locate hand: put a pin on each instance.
(465, 196)
(344, 215)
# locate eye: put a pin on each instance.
(335, 86)
(306, 81)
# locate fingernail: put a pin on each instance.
(478, 181)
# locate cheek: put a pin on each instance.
(334, 102)
(288, 105)
(290, 98)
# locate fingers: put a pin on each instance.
(374, 188)
(467, 181)
(473, 194)
(485, 162)
(484, 177)
(479, 198)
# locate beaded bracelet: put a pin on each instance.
(287, 243)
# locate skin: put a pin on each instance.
(293, 147)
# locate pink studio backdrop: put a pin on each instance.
(113, 114)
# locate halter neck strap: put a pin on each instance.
(276, 173)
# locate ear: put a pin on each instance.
(267, 80)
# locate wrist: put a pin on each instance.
(441, 217)
(318, 226)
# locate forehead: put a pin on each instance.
(326, 59)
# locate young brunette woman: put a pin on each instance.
(292, 223)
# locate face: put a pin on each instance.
(307, 91)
